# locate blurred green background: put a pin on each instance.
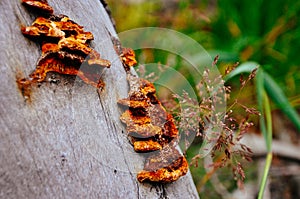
(263, 31)
(267, 32)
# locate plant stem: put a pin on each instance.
(265, 175)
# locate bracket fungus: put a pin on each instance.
(65, 49)
(152, 129)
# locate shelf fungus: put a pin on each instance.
(146, 119)
(40, 5)
(164, 166)
(127, 55)
(151, 129)
(65, 50)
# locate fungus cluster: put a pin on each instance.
(152, 129)
(65, 48)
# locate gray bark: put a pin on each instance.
(68, 142)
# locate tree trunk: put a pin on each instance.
(67, 142)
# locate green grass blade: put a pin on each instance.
(268, 115)
(264, 108)
(260, 101)
(265, 175)
(246, 67)
(278, 97)
(265, 126)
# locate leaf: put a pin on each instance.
(260, 95)
(278, 97)
(265, 125)
(246, 67)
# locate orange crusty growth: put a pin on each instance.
(152, 129)
(128, 57)
(145, 117)
(41, 5)
(165, 166)
(65, 50)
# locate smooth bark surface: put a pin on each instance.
(68, 142)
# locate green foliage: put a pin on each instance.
(265, 126)
(278, 97)
(246, 67)
(263, 31)
(267, 32)
(267, 88)
(265, 84)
